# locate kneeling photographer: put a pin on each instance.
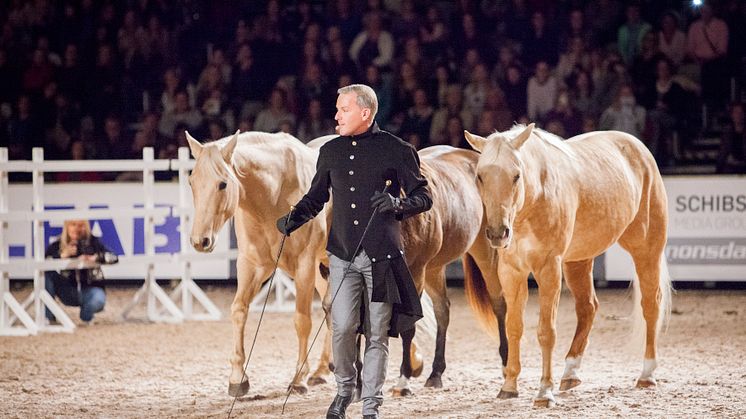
(79, 287)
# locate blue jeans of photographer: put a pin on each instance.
(90, 299)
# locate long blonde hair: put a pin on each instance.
(65, 237)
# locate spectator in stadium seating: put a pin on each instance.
(565, 114)
(667, 112)
(455, 133)
(643, 70)
(542, 92)
(732, 155)
(182, 112)
(541, 43)
(406, 24)
(314, 124)
(495, 102)
(270, 117)
(383, 89)
(433, 34)
(576, 28)
(671, 39)
(475, 93)
(417, 122)
(624, 114)
(453, 107)
(631, 33)
(707, 45)
(515, 88)
(373, 45)
(575, 57)
(604, 18)
(582, 94)
(78, 287)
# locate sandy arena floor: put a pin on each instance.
(137, 369)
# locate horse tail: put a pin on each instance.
(665, 290)
(478, 296)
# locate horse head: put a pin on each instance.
(499, 181)
(215, 190)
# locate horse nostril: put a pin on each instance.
(205, 243)
(506, 234)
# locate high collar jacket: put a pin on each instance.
(353, 168)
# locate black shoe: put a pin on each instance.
(371, 416)
(338, 407)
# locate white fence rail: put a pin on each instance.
(177, 306)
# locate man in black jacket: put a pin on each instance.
(356, 166)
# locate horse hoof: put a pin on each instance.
(299, 389)
(315, 381)
(646, 383)
(434, 382)
(544, 403)
(401, 392)
(569, 383)
(238, 390)
(505, 395)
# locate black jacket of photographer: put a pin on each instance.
(354, 168)
(87, 277)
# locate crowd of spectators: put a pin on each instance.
(102, 79)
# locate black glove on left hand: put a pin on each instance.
(385, 203)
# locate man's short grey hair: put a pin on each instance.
(366, 97)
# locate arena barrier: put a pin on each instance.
(187, 301)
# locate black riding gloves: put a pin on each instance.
(286, 226)
(385, 203)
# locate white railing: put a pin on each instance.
(161, 307)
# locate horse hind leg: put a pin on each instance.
(648, 266)
(402, 389)
(436, 289)
(579, 279)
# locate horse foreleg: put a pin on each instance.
(304, 287)
(248, 286)
(549, 279)
(405, 372)
(325, 361)
(442, 309)
(579, 278)
(515, 289)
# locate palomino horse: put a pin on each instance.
(254, 180)
(260, 176)
(553, 206)
(437, 237)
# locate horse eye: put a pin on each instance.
(515, 179)
(222, 185)
(479, 178)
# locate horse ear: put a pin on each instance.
(194, 145)
(227, 150)
(522, 137)
(476, 142)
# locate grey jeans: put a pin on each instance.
(345, 321)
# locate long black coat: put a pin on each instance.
(354, 168)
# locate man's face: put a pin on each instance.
(351, 118)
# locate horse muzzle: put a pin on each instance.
(203, 244)
(499, 237)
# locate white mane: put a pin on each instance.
(548, 138)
